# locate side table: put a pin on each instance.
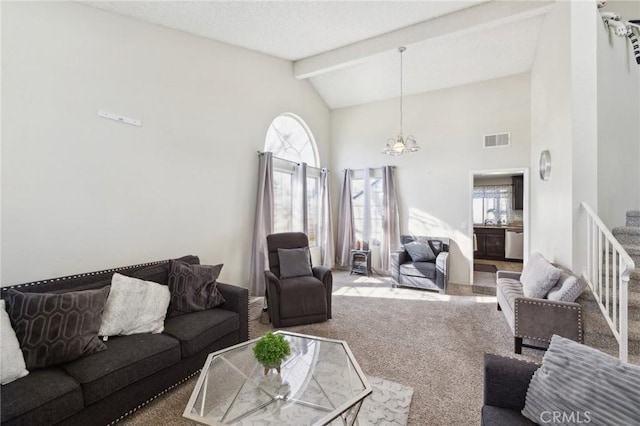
(361, 262)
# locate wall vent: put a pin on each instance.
(497, 140)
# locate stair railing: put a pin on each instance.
(607, 272)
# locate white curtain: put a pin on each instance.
(391, 219)
(263, 225)
(492, 204)
(326, 222)
(299, 198)
(345, 224)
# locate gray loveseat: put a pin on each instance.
(106, 386)
(428, 275)
(537, 319)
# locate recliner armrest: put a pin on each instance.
(506, 381)
(324, 274)
(271, 278)
(539, 319)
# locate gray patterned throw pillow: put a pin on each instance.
(57, 328)
(193, 287)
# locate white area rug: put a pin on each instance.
(388, 404)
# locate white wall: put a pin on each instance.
(434, 184)
(551, 201)
(564, 121)
(81, 193)
(618, 123)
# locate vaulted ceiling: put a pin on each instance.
(348, 49)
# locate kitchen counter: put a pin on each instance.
(509, 227)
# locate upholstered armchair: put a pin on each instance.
(297, 292)
(423, 262)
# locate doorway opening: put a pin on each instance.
(499, 206)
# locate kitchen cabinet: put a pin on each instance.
(518, 192)
(490, 243)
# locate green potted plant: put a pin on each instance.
(271, 350)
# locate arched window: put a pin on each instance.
(296, 206)
(289, 138)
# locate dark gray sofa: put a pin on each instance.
(433, 275)
(104, 387)
(506, 381)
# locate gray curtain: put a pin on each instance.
(391, 220)
(326, 222)
(345, 224)
(263, 225)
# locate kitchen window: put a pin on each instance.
(492, 204)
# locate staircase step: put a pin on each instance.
(596, 327)
(590, 304)
(633, 218)
(627, 234)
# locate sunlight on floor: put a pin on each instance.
(405, 294)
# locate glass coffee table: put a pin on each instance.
(320, 383)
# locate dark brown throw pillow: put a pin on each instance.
(193, 287)
(57, 328)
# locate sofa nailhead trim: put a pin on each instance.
(122, 417)
(555, 305)
(89, 274)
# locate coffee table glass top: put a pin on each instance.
(319, 383)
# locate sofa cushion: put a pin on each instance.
(128, 359)
(134, 306)
(57, 328)
(568, 287)
(567, 382)
(294, 262)
(12, 364)
(193, 287)
(45, 396)
(538, 277)
(309, 296)
(419, 251)
(419, 269)
(197, 330)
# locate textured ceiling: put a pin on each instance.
(298, 30)
(286, 29)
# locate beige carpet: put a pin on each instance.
(433, 343)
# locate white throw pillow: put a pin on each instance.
(134, 306)
(12, 364)
(538, 277)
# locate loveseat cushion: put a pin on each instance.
(45, 396)
(127, 360)
(510, 289)
(196, 330)
(419, 269)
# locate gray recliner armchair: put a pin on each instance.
(296, 300)
(431, 274)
